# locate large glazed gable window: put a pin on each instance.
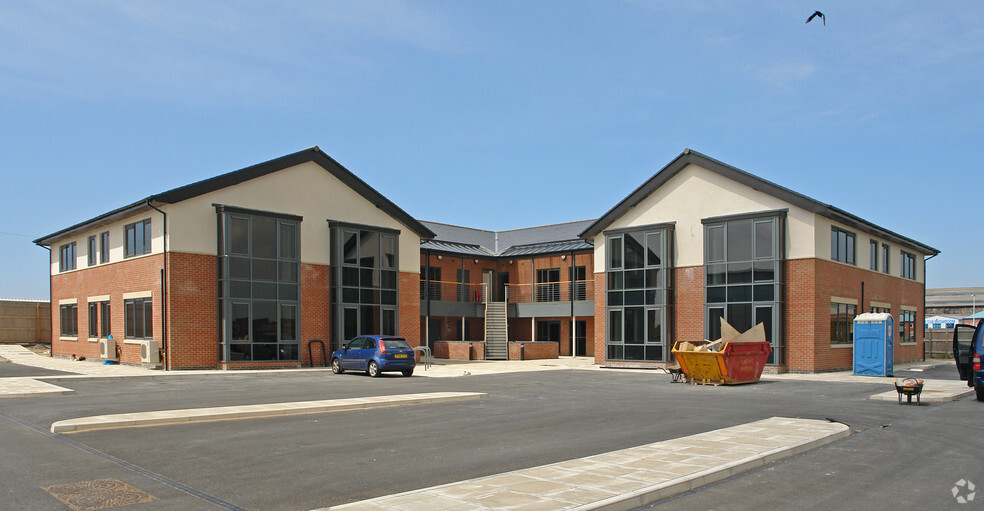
(136, 238)
(637, 296)
(743, 272)
(259, 286)
(364, 266)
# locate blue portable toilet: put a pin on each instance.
(874, 340)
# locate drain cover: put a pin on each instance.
(98, 494)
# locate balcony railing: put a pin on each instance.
(546, 292)
(452, 291)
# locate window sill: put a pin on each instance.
(913, 343)
(93, 339)
(135, 341)
(841, 346)
(72, 339)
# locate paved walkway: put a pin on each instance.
(935, 391)
(624, 479)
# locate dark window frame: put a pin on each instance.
(138, 314)
(91, 256)
(842, 323)
(104, 247)
(846, 240)
(907, 265)
(259, 285)
(67, 257)
(68, 314)
(873, 254)
(137, 238)
(93, 320)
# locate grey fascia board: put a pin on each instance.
(313, 154)
(104, 219)
(689, 157)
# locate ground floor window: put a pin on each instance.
(907, 326)
(842, 322)
(636, 333)
(68, 315)
(139, 318)
(547, 331)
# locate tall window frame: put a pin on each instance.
(68, 318)
(873, 255)
(66, 257)
(744, 275)
(842, 246)
(639, 293)
(365, 281)
(91, 246)
(842, 316)
(908, 265)
(104, 247)
(259, 285)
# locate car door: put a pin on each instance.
(964, 337)
(366, 354)
(350, 355)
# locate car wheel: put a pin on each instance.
(336, 366)
(373, 369)
(980, 393)
(409, 372)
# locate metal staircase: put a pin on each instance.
(496, 331)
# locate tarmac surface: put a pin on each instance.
(621, 479)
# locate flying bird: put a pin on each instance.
(815, 15)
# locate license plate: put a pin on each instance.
(402, 356)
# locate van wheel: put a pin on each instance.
(373, 369)
(336, 366)
(408, 372)
(980, 393)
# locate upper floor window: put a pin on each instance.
(66, 257)
(137, 238)
(92, 250)
(874, 255)
(908, 266)
(104, 247)
(885, 258)
(842, 245)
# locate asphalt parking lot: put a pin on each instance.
(528, 419)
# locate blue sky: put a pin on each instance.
(495, 115)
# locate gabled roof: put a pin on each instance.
(689, 157)
(544, 239)
(313, 154)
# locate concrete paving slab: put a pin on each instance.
(595, 482)
(157, 418)
(29, 387)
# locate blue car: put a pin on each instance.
(968, 349)
(374, 354)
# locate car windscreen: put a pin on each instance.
(395, 344)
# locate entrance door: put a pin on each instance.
(580, 338)
(487, 280)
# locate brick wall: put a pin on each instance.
(139, 274)
(409, 300)
(193, 318)
(532, 350)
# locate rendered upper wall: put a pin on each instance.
(305, 190)
(696, 193)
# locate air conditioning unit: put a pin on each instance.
(107, 349)
(150, 352)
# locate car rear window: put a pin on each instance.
(395, 344)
